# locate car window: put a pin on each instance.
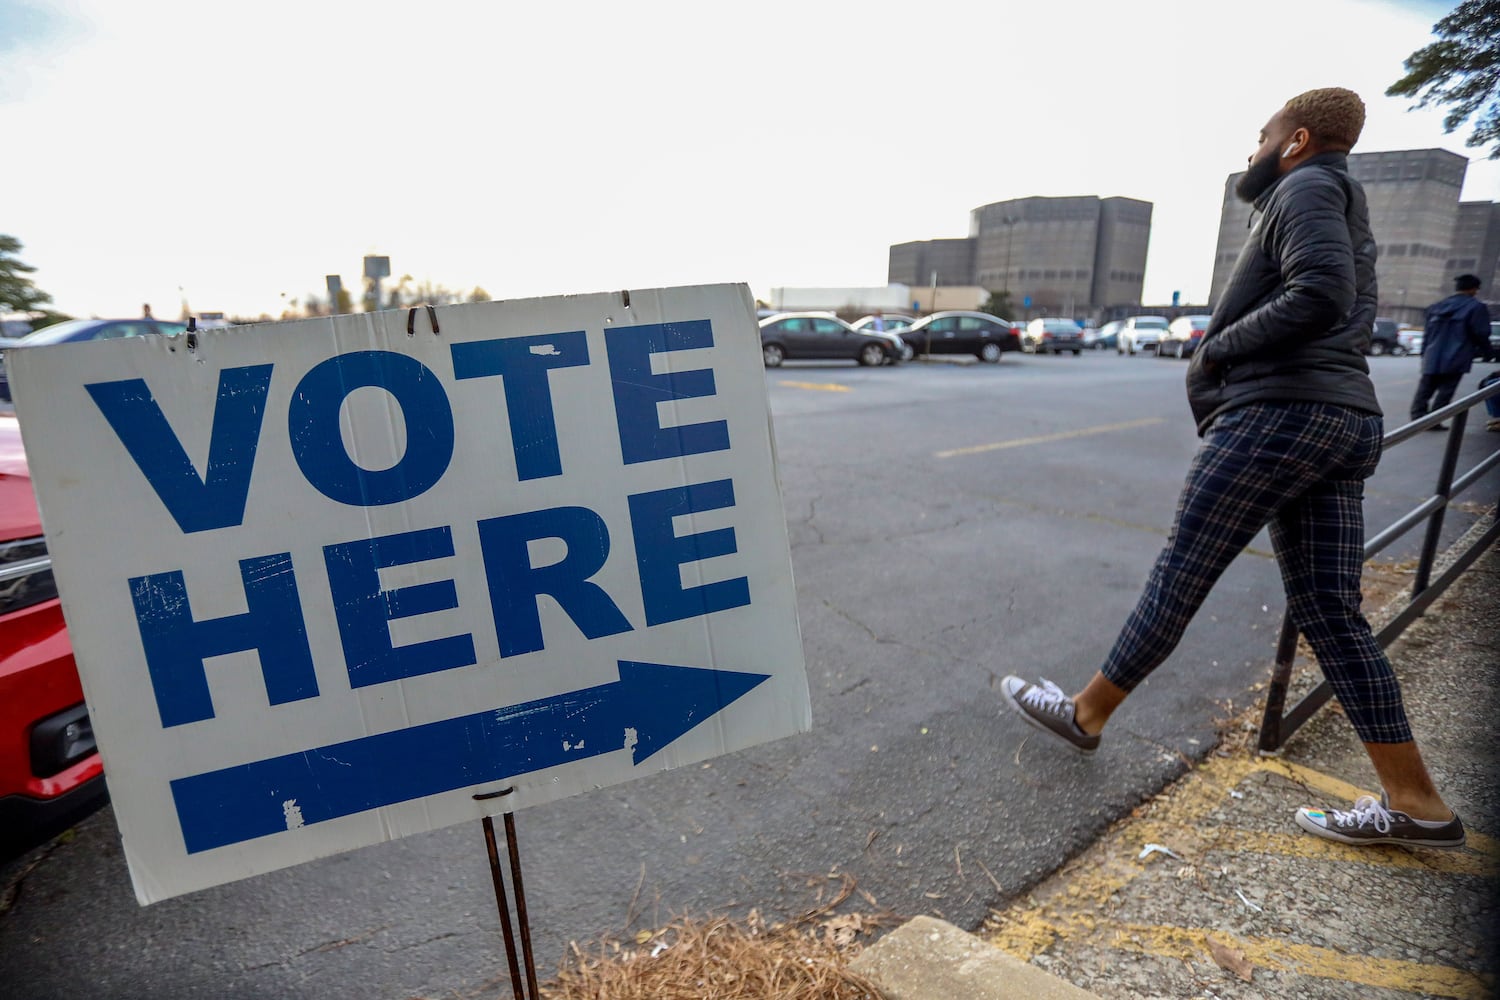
(945, 325)
(799, 324)
(1150, 323)
(168, 329)
(119, 331)
(57, 333)
(826, 327)
(972, 323)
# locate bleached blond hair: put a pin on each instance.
(1334, 116)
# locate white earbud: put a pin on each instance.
(1286, 153)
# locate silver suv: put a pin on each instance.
(1141, 333)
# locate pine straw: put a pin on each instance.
(720, 959)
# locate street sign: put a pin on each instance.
(328, 581)
(1176, 299)
(1026, 302)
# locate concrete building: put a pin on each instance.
(1071, 256)
(1414, 214)
(915, 263)
(1476, 249)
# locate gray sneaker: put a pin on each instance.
(1048, 709)
(1372, 821)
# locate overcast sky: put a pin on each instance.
(240, 152)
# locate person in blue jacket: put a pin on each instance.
(1457, 328)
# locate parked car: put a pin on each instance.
(1140, 333)
(1383, 336)
(1408, 341)
(1182, 337)
(85, 329)
(1106, 338)
(1494, 352)
(823, 336)
(891, 322)
(50, 773)
(961, 332)
(1052, 336)
(6, 343)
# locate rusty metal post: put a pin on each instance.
(505, 927)
(520, 894)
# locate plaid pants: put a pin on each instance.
(1299, 467)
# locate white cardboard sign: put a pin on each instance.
(327, 581)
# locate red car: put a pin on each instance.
(50, 773)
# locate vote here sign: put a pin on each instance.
(328, 580)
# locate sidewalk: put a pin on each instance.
(1245, 905)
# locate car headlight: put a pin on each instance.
(25, 574)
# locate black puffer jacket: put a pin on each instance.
(1293, 323)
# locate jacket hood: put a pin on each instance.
(1451, 306)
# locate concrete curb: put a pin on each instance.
(930, 959)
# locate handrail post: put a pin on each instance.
(1286, 654)
(1444, 485)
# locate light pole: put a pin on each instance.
(931, 308)
(1010, 231)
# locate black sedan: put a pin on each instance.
(960, 332)
(824, 337)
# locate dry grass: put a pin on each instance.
(719, 958)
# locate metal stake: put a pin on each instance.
(520, 893)
(505, 928)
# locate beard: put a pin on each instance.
(1258, 177)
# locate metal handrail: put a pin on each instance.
(1278, 725)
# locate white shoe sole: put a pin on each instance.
(1327, 834)
(1037, 724)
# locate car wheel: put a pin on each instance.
(872, 355)
(907, 351)
(1376, 348)
(1398, 351)
(990, 353)
(1077, 352)
(773, 354)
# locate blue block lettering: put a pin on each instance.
(364, 610)
(515, 584)
(637, 391)
(659, 552)
(217, 499)
(176, 645)
(523, 362)
(318, 445)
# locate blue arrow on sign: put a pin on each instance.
(651, 705)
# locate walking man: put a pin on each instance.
(1457, 328)
(1291, 429)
